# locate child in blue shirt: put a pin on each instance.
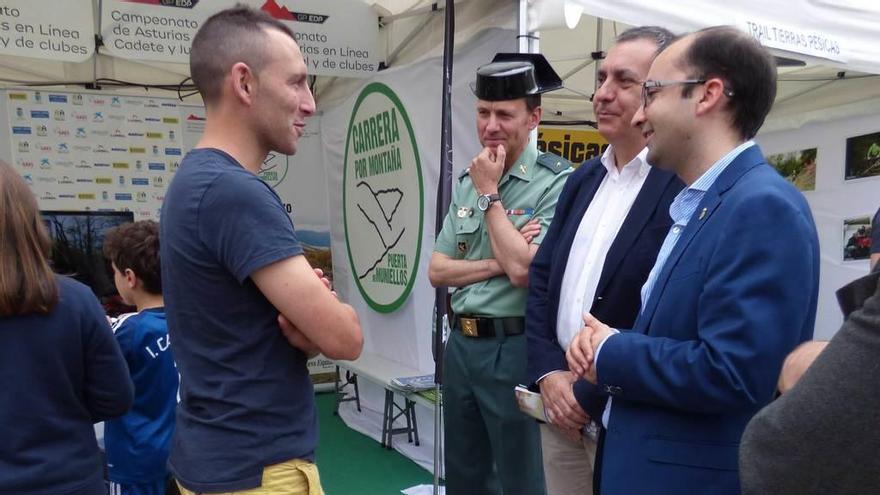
(137, 444)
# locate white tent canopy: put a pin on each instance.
(840, 84)
(822, 89)
(845, 30)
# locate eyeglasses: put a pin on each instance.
(651, 88)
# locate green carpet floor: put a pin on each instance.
(353, 464)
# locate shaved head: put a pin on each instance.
(225, 39)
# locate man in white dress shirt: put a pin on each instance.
(610, 222)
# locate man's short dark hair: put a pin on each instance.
(533, 102)
(746, 67)
(135, 246)
(660, 36)
(226, 38)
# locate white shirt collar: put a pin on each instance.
(638, 166)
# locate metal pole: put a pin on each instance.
(598, 50)
(444, 194)
(438, 437)
(418, 30)
(527, 42)
(97, 44)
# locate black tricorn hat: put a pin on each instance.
(515, 75)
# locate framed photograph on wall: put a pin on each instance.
(798, 167)
(857, 238)
(862, 156)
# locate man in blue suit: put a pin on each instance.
(611, 219)
(733, 290)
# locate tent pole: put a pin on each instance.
(444, 193)
(418, 30)
(598, 50)
(98, 43)
(579, 67)
(527, 42)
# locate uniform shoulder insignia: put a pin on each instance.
(555, 163)
(464, 173)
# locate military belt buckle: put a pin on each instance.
(469, 327)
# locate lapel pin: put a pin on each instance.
(522, 167)
(703, 213)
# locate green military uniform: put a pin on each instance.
(492, 447)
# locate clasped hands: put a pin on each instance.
(560, 406)
(581, 353)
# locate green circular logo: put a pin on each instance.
(274, 168)
(383, 199)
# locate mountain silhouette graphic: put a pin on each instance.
(267, 163)
(379, 209)
(277, 11)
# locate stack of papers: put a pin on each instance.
(413, 383)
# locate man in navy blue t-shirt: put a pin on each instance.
(245, 309)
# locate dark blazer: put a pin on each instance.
(735, 296)
(629, 260)
(821, 437)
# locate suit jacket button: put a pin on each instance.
(613, 389)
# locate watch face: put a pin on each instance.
(483, 203)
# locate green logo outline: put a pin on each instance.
(283, 176)
(377, 87)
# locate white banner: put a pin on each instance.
(842, 32)
(337, 37)
(49, 30)
(95, 151)
(383, 198)
(363, 140)
(811, 42)
(193, 121)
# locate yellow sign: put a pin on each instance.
(575, 145)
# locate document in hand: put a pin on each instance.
(530, 403)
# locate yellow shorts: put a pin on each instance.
(294, 477)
